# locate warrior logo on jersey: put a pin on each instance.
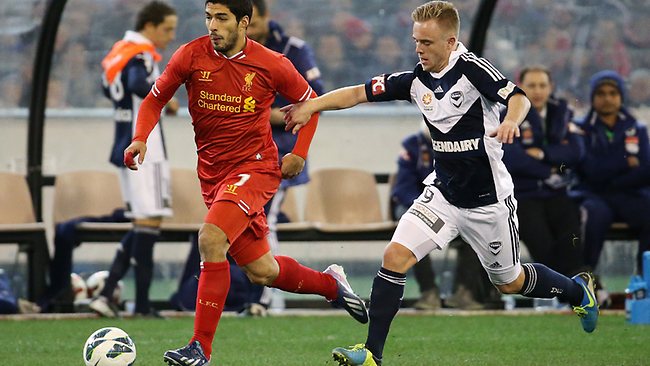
(205, 76)
(457, 98)
(427, 98)
(378, 85)
(231, 189)
(249, 81)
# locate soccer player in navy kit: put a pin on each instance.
(470, 191)
(130, 69)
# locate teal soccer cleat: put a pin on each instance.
(357, 355)
(588, 308)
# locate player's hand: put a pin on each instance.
(291, 165)
(296, 116)
(135, 149)
(506, 132)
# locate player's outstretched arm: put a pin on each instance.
(135, 149)
(518, 106)
(297, 115)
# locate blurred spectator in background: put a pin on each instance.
(639, 83)
(10, 89)
(608, 48)
(130, 69)
(541, 162)
(359, 43)
(335, 67)
(615, 174)
(269, 33)
(388, 55)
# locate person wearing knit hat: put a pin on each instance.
(615, 173)
(608, 77)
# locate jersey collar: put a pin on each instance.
(237, 56)
(460, 49)
(136, 37)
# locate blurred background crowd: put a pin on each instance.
(353, 40)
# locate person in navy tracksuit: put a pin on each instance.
(269, 33)
(615, 173)
(541, 162)
(129, 71)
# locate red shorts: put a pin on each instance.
(236, 206)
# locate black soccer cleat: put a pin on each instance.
(190, 355)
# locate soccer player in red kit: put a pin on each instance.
(231, 83)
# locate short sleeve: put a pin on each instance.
(289, 83)
(387, 87)
(487, 79)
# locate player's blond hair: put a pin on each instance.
(442, 11)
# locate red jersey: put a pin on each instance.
(229, 102)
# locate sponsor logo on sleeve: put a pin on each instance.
(506, 90)
(378, 85)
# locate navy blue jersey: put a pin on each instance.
(605, 168)
(302, 58)
(563, 149)
(127, 91)
(460, 107)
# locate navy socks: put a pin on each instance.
(543, 282)
(385, 300)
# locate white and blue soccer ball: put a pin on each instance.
(109, 347)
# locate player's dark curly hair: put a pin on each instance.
(239, 8)
(154, 12)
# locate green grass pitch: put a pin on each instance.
(551, 339)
